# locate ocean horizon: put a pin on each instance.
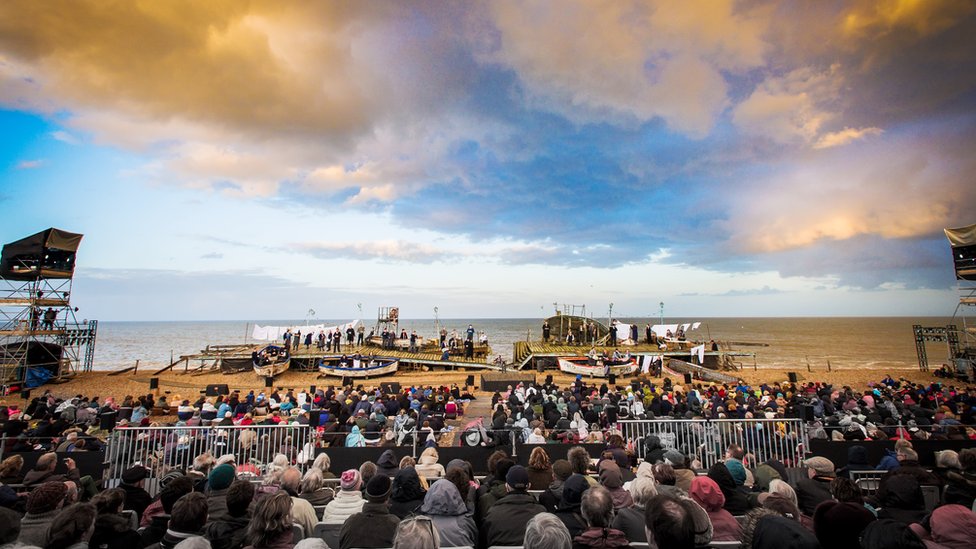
(792, 342)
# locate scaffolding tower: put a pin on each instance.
(963, 341)
(40, 336)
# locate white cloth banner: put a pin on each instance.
(274, 333)
(623, 334)
(695, 325)
(700, 351)
(661, 330)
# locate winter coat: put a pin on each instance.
(653, 451)
(155, 531)
(568, 510)
(407, 494)
(303, 513)
(495, 491)
(631, 522)
(34, 528)
(683, 478)
(600, 538)
(227, 532)
(444, 506)
(388, 464)
(611, 479)
(343, 506)
(952, 527)
(901, 499)
(889, 462)
(961, 489)
(777, 532)
(505, 522)
(374, 526)
(136, 498)
(320, 497)
(736, 501)
(217, 503)
(811, 492)
(113, 531)
(706, 493)
(550, 498)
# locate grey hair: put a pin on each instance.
(322, 462)
(948, 459)
(597, 507)
(204, 462)
(196, 542)
(312, 480)
(291, 478)
(642, 489)
(413, 533)
(546, 531)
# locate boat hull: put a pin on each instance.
(275, 367)
(580, 366)
(381, 368)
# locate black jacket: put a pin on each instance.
(155, 531)
(227, 532)
(136, 498)
(113, 532)
(506, 519)
(811, 492)
(374, 526)
(736, 501)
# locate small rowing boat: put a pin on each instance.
(271, 361)
(360, 367)
(596, 367)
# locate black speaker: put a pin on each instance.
(311, 390)
(25, 394)
(805, 412)
(125, 413)
(153, 383)
(216, 389)
(346, 381)
(469, 382)
(390, 387)
(106, 421)
(613, 379)
(314, 417)
(688, 379)
(268, 381)
(549, 379)
(792, 376)
(635, 385)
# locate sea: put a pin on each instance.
(846, 342)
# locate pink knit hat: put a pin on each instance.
(350, 480)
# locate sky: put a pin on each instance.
(253, 160)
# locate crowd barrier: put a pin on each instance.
(782, 439)
(836, 451)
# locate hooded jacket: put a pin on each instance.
(706, 493)
(427, 464)
(407, 495)
(388, 464)
(777, 532)
(344, 505)
(901, 499)
(953, 527)
(444, 506)
(374, 526)
(568, 509)
(612, 480)
(653, 451)
(736, 501)
(227, 532)
(506, 520)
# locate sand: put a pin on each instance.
(180, 385)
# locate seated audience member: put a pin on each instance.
(187, 520)
(908, 465)
(540, 470)
(777, 532)
(950, 527)
(706, 493)
(427, 465)
(736, 501)
(172, 492)
(857, 460)
(219, 481)
(314, 489)
(323, 462)
(348, 501)
(815, 489)
(669, 523)
(839, 525)
(11, 470)
(561, 469)
(449, 513)
(597, 508)
(229, 529)
(506, 520)
(901, 499)
(302, 512)
(9, 526)
(612, 480)
(136, 497)
(630, 520)
(374, 526)
(43, 505)
(388, 464)
(545, 531)
(72, 528)
(890, 534)
(961, 489)
(271, 523)
(408, 494)
(568, 510)
(493, 489)
(416, 533)
(112, 529)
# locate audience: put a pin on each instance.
(171, 493)
(72, 528)
(506, 519)
(416, 533)
(43, 505)
(669, 523)
(408, 494)
(444, 506)
(271, 524)
(545, 531)
(228, 529)
(302, 512)
(705, 492)
(375, 525)
(112, 529)
(348, 501)
(839, 525)
(597, 509)
(539, 469)
(186, 521)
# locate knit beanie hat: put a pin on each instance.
(46, 497)
(737, 470)
(221, 477)
(562, 469)
(378, 488)
(350, 480)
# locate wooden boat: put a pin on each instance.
(596, 368)
(365, 367)
(271, 361)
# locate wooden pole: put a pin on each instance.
(136, 369)
(828, 364)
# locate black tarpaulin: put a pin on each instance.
(47, 254)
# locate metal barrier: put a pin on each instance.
(782, 439)
(162, 449)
